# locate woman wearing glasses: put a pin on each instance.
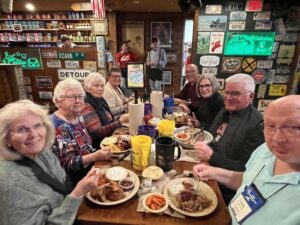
(97, 116)
(33, 186)
(73, 145)
(209, 104)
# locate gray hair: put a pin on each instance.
(91, 78)
(213, 80)
(14, 111)
(63, 86)
(242, 78)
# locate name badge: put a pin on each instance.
(247, 203)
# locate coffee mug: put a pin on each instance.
(165, 148)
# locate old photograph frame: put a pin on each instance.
(166, 77)
(162, 31)
(99, 27)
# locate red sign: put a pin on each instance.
(254, 5)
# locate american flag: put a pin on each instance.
(98, 7)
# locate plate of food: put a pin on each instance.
(189, 198)
(119, 143)
(114, 192)
(187, 137)
(180, 118)
(121, 131)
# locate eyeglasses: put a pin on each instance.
(205, 86)
(288, 131)
(73, 97)
(191, 71)
(234, 94)
(22, 131)
(115, 76)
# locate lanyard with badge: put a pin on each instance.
(249, 201)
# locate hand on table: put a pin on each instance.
(203, 151)
(205, 172)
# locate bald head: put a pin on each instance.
(191, 73)
(286, 103)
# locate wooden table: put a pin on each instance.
(125, 213)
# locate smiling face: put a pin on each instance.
(115, 79)
(27, 135)
(97, 89)
(205, 88)
(237, 97)
(191, 73)
(284, 145)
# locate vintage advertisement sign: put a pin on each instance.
(290, 37)
(277, 90)
(263, 103)
(270, 76)
(275, 46)
(265, 64)
(281, 79)
(71, 64)
(263, 25)
(279, 26)
(216, 42)
(209, 60)
(203, 42)
(234, 6)
(262, 89)
(212, 23)
(45, 95)
(238, 15)
(212, 71)
(221, 83)
(53, 64)
(213, 9)
(254, 5)
(101, 59)
(78, 74)
(284, 70)
(231, 65)
(237, 25)
(49, 54)
(71, 55)
(43, 81)
(262, 15)
(285, 54)
(249, 64)
(259, 76)
(91, 65)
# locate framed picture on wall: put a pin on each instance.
(162, 31)
(134, 31)
(99, 27)
(166, 77)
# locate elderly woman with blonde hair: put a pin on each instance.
(96, 113)
(33, 186)
(209, 102)
(73, 144)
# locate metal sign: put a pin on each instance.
(71, 55)
(262, 15)
(212, 71)
(237, 25)
(43, 81)
(265, 64)
(262, 89)
(262, 104)
(231, 65)
(249, 64)
(49, 54)
(54, 64)
(209, 60)
(71, 64)
(78, 74)
(259, 76)
(263, 25)
(277, 90)
(238, 15)
(213, 9)
(234, 6)
(254, 5)
(83, 6)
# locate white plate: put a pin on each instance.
(207, 190)
(114, 152)
(187, 145)
(128, 195)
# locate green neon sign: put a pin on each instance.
(22, 59)
(249, 43)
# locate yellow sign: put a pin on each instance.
(83, 6)
(277, 90)
(249, 64)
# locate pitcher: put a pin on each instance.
(141, 145)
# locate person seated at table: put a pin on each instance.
(33, 185)
(187, 94)
(209, 104)
(236, 129)
(97, 116)
(274, 169)
(117, 101)
(73, 145)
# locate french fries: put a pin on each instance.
(155, 202)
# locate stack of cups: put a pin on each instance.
(141, 145)
(166, 128)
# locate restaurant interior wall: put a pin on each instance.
(217, 21)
